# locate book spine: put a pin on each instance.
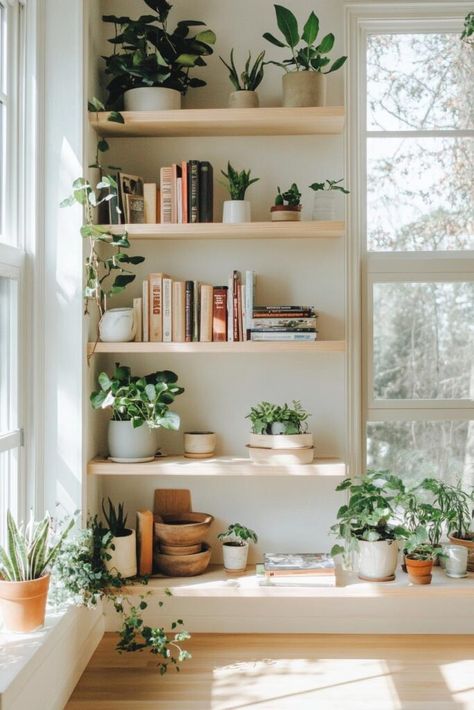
(166, 195)
(179, 198)
(158, 205)
(282, 336)
(155, 308)
(282, 329)
(196, 318)
(242, 313)
(178, 330)
(289, 323)
(250, 285)
(289, 310)
(205, 334)
(230, 308)
(167, 309)
(205, 191)
(175, 172)
(219, 314)
(184, 190)
(296, 314)
(189, 311)
(235, 305)
(138, 318)
(145, 301)
(193, 191)
(149, 197)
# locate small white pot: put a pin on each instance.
(235, 556)
(123, 559)
(243, 99)
(236, 211)
(199, 444)
(304, 88)
(152, 98)
(117, 325)
(324, 207)
(127, 443)
(378, 560)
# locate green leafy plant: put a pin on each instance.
(310, 56)
(468, 32)
(141, 400)
(455, 506)
(328, 185)
(147, 54)
(237, 183)
(116, 519)
(292, 197)
(251, 77)
(263, 415)
(238, 534)
(417, 546)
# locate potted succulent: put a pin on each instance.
(287, 207)
(279, 433)
(324, 198)
(235, 546)
(246, 83)
(237, 209)
(140, 406)
(150, 65)
(122, 556)
(420, 554)
(304, 82)
(368, 523)
(25, 564)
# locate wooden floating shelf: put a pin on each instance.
(254, 348)
(246, 230)
(270, 121)
(219, 466)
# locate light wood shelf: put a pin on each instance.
(270, 121)
(246, 230)
(219, 466)
(250, 347)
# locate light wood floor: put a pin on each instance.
(287, 672)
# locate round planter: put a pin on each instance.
(283, 213)
(152, 98)
(243, 99)
(324, 206)
(235, 556)
(419, 571)
(378, 560)
(470, 549)
(123, 560)
(281, 441)
(304, 88)
(126, 443)
(23, 604)
(117, 325)
(455, 562)
(236, 211)
(199, 444)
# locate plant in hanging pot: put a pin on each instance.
(123, 544)
(279, 434)
(325, 198)
(235, 546)
(246, 83)
(140, 406)
(237, 209)
(150, 66)
(304, 83)
(287, 207)
(420, 555)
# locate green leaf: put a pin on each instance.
(270, 38)
(206, 36)
(326, 45)
(186, 60)
(337, 65)
(337, 550)
(287, 25)
(104, 381)
(102, 145)
(95, 105)
(122, 280)
(311, 29)
(115, 117)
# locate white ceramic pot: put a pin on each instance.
(281, 441)
(378, 560)
(455, 560)
(152, 98)
(127, 443)
(117, 325)
(243, 99)
(199, 444)
(236, 211)
(123, 559)
(304, 88)
(324, 206)
(235, 556)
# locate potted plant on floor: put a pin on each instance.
(235, 546)
(325, 198)
(246, 83)
(25, 564)
(150, 65)
(304, 83)
(279, 433)
(122, 558)
(140, 406)
(237, 209)
(287, 207)
(420, 555)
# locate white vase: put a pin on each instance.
(152, 98)
(199, 444)
(236, 211)
(304, 88)
(243, 99)
(127, 443)
(455, 560)
(235, 556)
(324, 206)
(123, 559)
(117, 325)
(378, 560)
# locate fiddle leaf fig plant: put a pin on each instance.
(263, 415)
(237, 183)
(251, 77)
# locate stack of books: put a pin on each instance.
(186, 192)
(275, 323)
(302, 570)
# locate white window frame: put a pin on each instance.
(367, 268)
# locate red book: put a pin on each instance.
(219, 314)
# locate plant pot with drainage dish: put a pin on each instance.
(151, 67)
(279, 434)
(287, 207)
(420, 555)
(237, 209)
(122, 555)
(235, 546)
(245, 83)
(140, 407)
(324, 206)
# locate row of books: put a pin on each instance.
(186, 191)
(280, 323)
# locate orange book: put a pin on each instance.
(144, 542)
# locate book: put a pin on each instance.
(145, 302)
(275, 337)
(167, 291)
(283, 563)
(235, 305)
(138, 316)
(149, 195)
(158, 205)
(178, 311)
(193, 191)
(179, 199)
(184, 190)
(189, 311)
(282, 314)
(207, 302)
(144, 542)
(128, 185)
(219, 314)
(282, 329)
(205, 191)
(230, 308)
(250, 288)
(155, 307)
(196, 304)
(288, 323)
(241, 304)
(135, 209)
(166, 195)
(175, 175)
(288, 310)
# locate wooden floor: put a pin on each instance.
(287, 672)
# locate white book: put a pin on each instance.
(138, 317)
(167, 309)
(230, 309)
(250, 286)
(275, 337)
(302, 580)
(145, 301)
(149, 197)
(196, 313)
(179, 199)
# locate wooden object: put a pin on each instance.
(183, 528)
(184, 565)
(180, 549)
(144, 542)
(318, 346)
(169, 501)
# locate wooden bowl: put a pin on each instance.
(180, 549)
(183, 528)
(184, 565)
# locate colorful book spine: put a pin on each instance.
(205, 331)
(145, 302)
(235, 305)
(250, 288)
(288, 323)
(167, 309)
(178, 311)
(219, 314)
(189, 311)
(196, 315)
(179, 200)
(166, 195)
(155, 308)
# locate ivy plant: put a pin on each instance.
(251, 77)
(237, 183)
(264, 414)
(238, 533)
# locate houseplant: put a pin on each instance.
(287, 207)
(245, 83)
(123, 553)
(237, 209)
(324, 198)
(25, 564)
(235, 546)
(279, 433)
(420, 554)
(140, 406)
(150, 66)
(304, 82)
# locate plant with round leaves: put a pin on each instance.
(329, 185)
(418, 546)
(237, 533)
(237, 183)
(251, 77)
(264, 414)
(292, 197)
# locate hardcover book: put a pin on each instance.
(205, 191)
(276, 337)
(193, 191)
(167, 309)
(178, 310)
(166, 195)
(298, 563)
(189, 311)
(144, 542)
(138, 316)
(155, 307)
(219, 314)
(149, 196)
(205, 330)
(145, 301)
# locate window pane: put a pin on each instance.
(3, 72)
(8, 354)
(415, 450)
(419, 81)
(8, 488)
(423, 340)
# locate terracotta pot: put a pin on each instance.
(470, 549)
(23, 604)
(304, 88)
(419, 571)
(243, 99)
(285, 213)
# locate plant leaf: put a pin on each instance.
(311, 29)
(288, 25)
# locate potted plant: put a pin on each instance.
(287, 207)
(122, 558)
(420, 512)
(237, 209)
(279, 433)
(235, 546)
(140, 406)
(368, 523)
(246, 83)
(25, 564)
(420, 554)
(150, 65)
(304, 82)
(324, 198)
